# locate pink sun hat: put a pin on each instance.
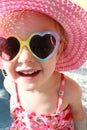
(71, 14)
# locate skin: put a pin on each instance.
(42, 88)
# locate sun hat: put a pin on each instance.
(71, 14)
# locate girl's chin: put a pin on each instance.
(27, 86)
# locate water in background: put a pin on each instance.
(5, 118)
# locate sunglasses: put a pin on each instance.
(41, 45)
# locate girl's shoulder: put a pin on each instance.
(73, 91)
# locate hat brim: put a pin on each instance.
(73, 19)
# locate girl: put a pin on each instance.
(38, 40)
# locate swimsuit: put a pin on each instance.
(24, 120)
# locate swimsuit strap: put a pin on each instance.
(61, 93)
(17, 99)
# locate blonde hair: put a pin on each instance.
(63, 37)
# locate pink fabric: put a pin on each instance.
(24, 120)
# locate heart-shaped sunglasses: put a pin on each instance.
(41, 45)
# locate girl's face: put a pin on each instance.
(26, 70)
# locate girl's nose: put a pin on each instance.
(25, 56)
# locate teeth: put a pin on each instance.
(26, 73)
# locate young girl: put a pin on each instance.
(38, 40)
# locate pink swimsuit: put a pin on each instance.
(24, 120)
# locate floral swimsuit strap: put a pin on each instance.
(60, 94)
(17, 99)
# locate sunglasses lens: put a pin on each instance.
(9, 48)
(42, 46)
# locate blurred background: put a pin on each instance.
(5, 118)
